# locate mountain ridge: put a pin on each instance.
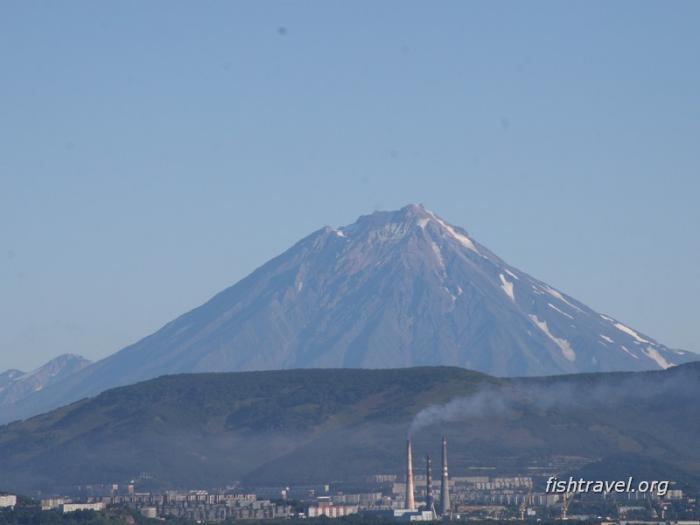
(16, 385)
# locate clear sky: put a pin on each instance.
(153, 153)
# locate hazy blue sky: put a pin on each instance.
(153, 153)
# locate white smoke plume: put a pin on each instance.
(480, 404)
(584, 393)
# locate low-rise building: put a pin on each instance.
(8, 501)
(400, 514)
(73, 507)
(331, 510)
(149, 512)
(52, 503)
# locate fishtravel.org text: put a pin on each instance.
(563, 486)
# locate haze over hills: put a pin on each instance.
(315, 426)
(394, 289)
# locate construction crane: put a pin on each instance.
(565, 504)
(660, 507)
(522, 508)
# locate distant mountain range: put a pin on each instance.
(317, 426)
(394, 289)
(16, 385)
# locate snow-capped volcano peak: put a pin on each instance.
(396, 224)
(414, 253)
(424, 218)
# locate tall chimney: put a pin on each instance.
(445, 483)
(410, 500)
(429, 499)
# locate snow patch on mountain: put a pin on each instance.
(511, 273)
(462, 239)
(629, 331)
(630, 353)
(562, 312)
(438, 254)
(554, 293)
(653, 353)
(563, 344)
(507, 287)
(449, 292)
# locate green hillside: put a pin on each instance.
(206, 430)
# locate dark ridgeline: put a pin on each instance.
(444, 482)
(212, 429)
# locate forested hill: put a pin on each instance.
(206, 430)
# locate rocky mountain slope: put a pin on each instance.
(394, 289)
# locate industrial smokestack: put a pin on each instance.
(410, 500)
(445, 482)
(429, 499)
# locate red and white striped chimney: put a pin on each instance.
(410, 499)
